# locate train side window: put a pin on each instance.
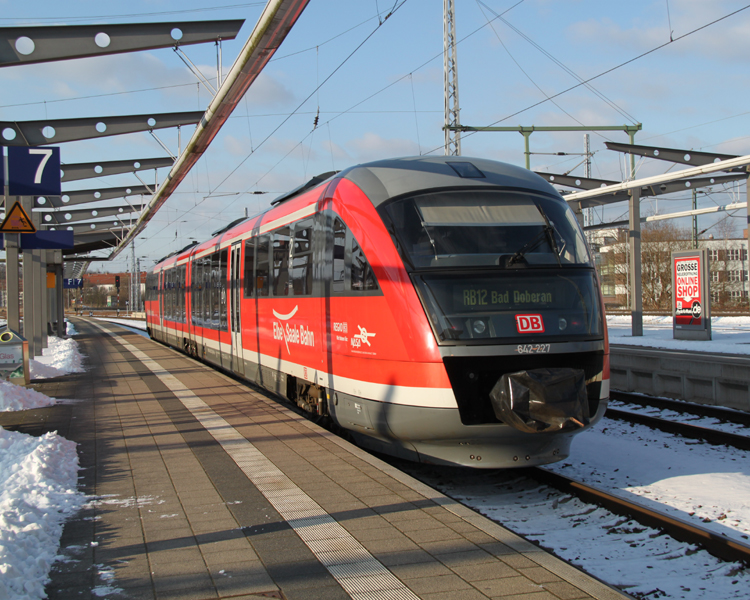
(262, 270)
(207, 291)
(221, 290)
(215, 289)
(339, 255)
(195, 291)
(249, 266)
(362, 276)
(183, 292)
(167, 298)
(170, 283)
(223, 270)
(281, 251)
(302, 259)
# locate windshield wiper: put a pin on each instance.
(547, 231)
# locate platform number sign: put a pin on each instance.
(34, 171)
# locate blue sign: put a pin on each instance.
(2, 171)
(69, 284)
(43, 240)
(34, 171)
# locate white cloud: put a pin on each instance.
(268, 91)
(372, 146)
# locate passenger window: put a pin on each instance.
(223, 271)
(249, 260)
(262, 270)
(196, 291)
(362, 277)
(215, 290)
(281, 251)
(339, 254)
(302, 260)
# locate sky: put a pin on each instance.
(377, 85)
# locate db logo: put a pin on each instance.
(529, 323)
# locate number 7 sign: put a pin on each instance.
(34, 171)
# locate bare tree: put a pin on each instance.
(660, 239)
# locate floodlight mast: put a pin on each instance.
(278, 18)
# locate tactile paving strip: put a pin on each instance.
(356, 570)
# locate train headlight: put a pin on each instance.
(479, 327)
(562, 323)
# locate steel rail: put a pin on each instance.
(272, 28)
(696, 432)
(699, 410)
(716, 544)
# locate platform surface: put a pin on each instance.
(202, 487)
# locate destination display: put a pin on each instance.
(512, 305)
(484, 297)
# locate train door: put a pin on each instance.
(235, 301)
(161, 301)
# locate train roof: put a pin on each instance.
(385, 179)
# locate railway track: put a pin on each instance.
(712, 436)
(718, 545)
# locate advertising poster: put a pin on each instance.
(691, 307)
(688, 309)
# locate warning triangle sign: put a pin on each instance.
(17, 221)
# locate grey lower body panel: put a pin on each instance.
(437, 435)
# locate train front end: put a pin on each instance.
(510, 292)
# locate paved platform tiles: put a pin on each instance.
(202, 487)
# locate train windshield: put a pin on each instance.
(515, 306)
(485, 227)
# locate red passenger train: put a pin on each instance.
(441, 309)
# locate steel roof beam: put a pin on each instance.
(646, 191)
(584, 183)
(82, 259)
(675, 155)
(78, 171)
(94, 195)
(85, 227)
(58, 131)
(93, 236)
(724, 165)
(274, 24)
(60, 217)
(28, 45)
(98, 244)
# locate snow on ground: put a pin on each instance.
(38, 482)
(698, 482)
(38, 489)
(60, 357)
(135, 325)
(38, 478)
(729, 335)
(623, 553)
(702, 483)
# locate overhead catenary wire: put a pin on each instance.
(396, 7)
(560, 64)
(607, 71)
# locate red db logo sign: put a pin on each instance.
(529, 323)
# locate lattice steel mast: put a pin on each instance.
(450, 81)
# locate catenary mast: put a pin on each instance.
(450, 80)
